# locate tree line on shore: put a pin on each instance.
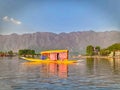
(91, 50)
(26, 52)
(6, 53)
(21, 52)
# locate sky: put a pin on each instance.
(57, 16)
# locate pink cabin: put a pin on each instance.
(55, 54)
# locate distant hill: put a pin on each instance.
(74, 41)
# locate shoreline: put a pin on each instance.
(94, 57)
(105, 57)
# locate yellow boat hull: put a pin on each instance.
(49, 61)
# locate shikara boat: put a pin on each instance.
(52, 56)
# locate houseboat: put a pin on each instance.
(52, 56)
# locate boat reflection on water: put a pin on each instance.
(63, 71)
(60, 70)
(46, 70)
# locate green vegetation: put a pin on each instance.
(104, 52)
(26, 52)
(97, 48)
(114, 47)
(90, 50)
(110, 49)
(8, 53)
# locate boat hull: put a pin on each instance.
(49, 61)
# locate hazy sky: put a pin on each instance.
(24, 16)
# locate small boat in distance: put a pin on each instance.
(52, 56)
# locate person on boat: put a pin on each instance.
(43, 57)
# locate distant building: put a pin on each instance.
(115, 53)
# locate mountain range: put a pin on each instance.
(73, 41)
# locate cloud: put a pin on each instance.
(15, 21)
(11, 20)
(5, 18)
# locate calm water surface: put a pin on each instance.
(88, 74)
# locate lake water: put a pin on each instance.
(88, 74)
